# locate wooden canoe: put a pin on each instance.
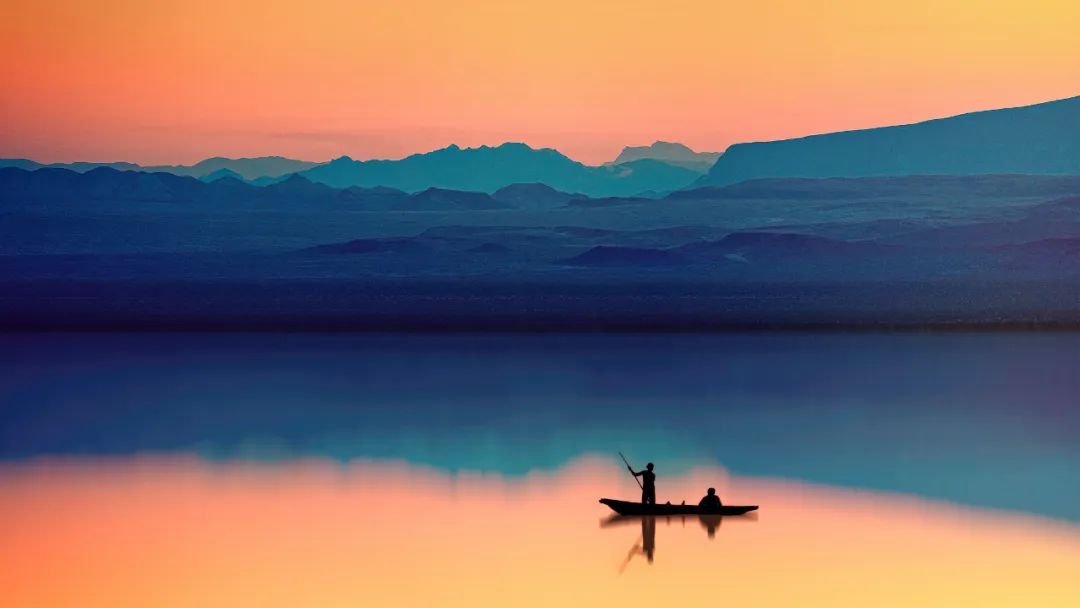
(623, 507)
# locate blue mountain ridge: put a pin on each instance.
(488, 169)
(1037, 139)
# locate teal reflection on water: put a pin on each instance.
(985, 419)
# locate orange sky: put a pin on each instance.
(176, 81)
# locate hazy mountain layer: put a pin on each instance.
(487, 169)
(1037, 139)
(671, 153)
(247, 168)
(211, 168)
(108, 248)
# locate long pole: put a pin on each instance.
(631, 471)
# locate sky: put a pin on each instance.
(175, 81)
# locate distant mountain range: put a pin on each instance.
(79, 167)
(220, 174)
(894, 227)
(842, 189)
(484, 169)
(131, 249)
(487, 169)
(671, 153)
(1042, 139)
(209, 169)
(1036, 139)
(247, 168)
(108, 188)
(132, 191)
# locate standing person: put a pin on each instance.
(648, 537)
(648, 484)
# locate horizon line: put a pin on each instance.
(540, 148)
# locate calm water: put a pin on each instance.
(226, 470)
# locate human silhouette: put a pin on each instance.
(711, 500)
(648, 537)
(648, 484)
(647, 546)
(711, 523)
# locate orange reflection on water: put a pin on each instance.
(184, 532)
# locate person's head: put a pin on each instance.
(712, 491)
(649, 466)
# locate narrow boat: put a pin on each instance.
(623, 507)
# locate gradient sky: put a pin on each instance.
(175, 81)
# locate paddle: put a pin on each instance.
(631, 471)
(633, 551)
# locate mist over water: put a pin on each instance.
(981, 419)
(260, 469)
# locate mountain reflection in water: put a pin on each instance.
(988, 420)
(182, 531)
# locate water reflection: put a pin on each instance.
(711, 523)
(181, 531)
(954, 416)
(646, 543)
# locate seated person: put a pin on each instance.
(711, 500)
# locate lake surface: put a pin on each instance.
(256, 469)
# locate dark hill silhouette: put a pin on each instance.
(645, 177)
(1037, 139)
(438, 199)
(608, 255)
(251, 167)
(298, 186)
(396, 245)
(483, 169)
(489, 248)
(246, 168)
(83, 167)
(267, 167)
(533, 196)
(378, 198)
(747, 246)
(105, 187)
(229, 186)
(843, 188)
(488, 169)
(670, 153)
(109, 186)
(20, 163)
(221, 174)
(79, 167)
(63, 186)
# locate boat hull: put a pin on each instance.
(623, 507)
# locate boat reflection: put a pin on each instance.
(711, 523)
(646, 543)
(181, 531)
